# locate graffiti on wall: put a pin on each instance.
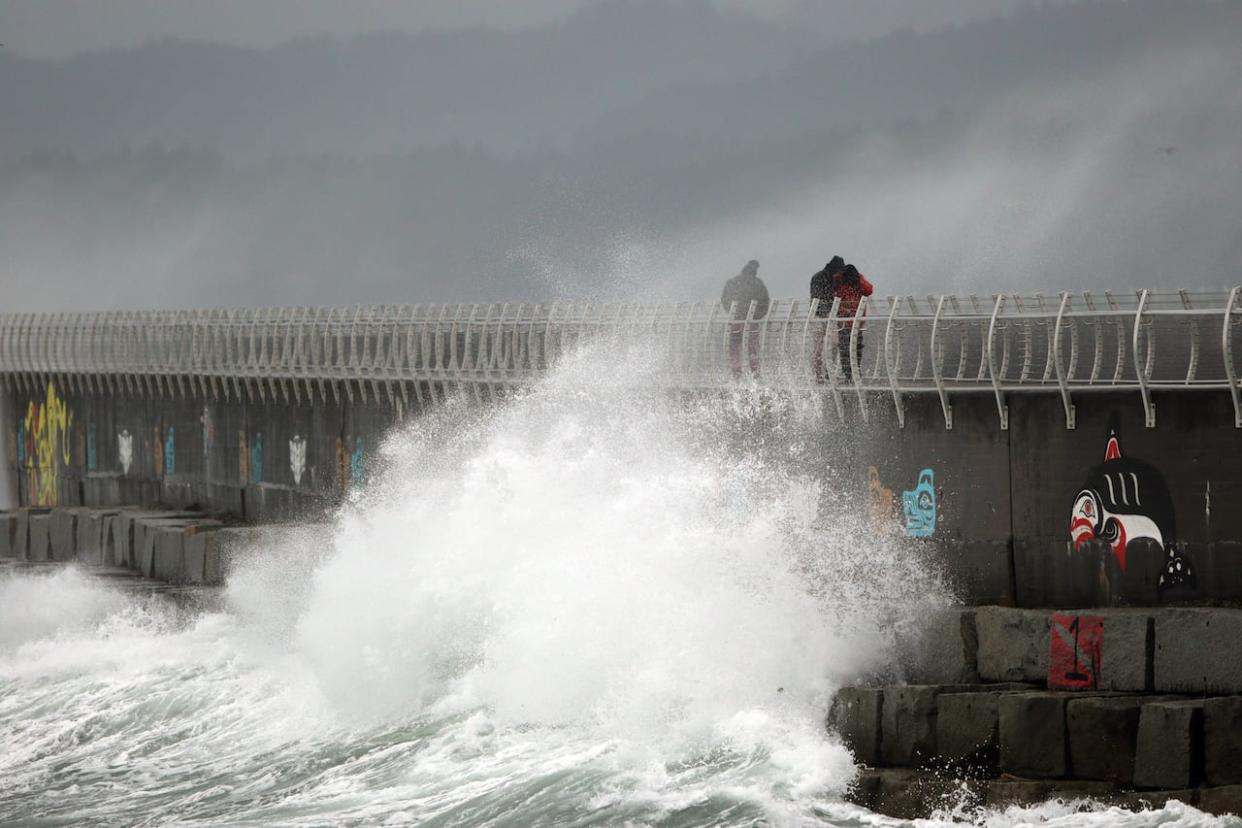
(170, 452)
(356, 470)
(243, 459)
(46, 446)
(919, 506)
(92, 451)
(297, 458)
(256, 458)
(880, 500)
(125, 449)
(209, 430)
(1075, 652)
(1124, 500)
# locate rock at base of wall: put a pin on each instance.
(1194, 651)
(1002, 793)
(1032, 735)
(1103, 734)
(1222, 740)
(855, 717)
(40, 537)
(1012, 644)
(911, 794)
(1226, 799)
(1169, 751)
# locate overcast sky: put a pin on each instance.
(62, 28)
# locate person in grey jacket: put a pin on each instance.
(736, 298)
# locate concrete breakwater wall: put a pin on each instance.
(1111, 512)
(1007, 706)
(175, 547)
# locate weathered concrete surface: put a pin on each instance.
(908, 724)
(944, 652)
(967, 726)
(1032, 734)
(1103, 735)
(855, 717)
(62, 534)
(40, 537)
(92, 524)
(1169, 750)
(1222, 740)
(1012, 644)
(1195, 650)
(902, 793)
(1126, 658)
(172, 563)
(8, 534)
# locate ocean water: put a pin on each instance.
(590, 605)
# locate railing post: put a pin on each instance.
(937, 357)
(1070, 411)
(889, 368)
(1140, 368)
(1001, 408)
(855, 363)
(1226, 347)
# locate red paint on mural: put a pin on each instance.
(1076, 646)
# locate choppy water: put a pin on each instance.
(586, 608)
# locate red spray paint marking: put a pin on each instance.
(1076, 646)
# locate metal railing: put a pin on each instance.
(1005, 344)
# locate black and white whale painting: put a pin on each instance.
(1125, 499)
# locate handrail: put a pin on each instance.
(386, 352)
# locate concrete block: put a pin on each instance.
(63, 534)
(1013, 644)
(1156, 800)
(1222, 740)
(168, 561)
(1032, 734)
(21, 536)
(855, 717)
(905, 794)
(908, 724)
(944, 652)
(1169, 752)
(92, 525)
(40, 537)
(966, 728)
(8, 535)
(1194, 650)
(1221, 801)
(1103, 735)
(1126, 652)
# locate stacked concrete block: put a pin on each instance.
(967, 727)
(1222, 740)
(1126, 652)
(1032, 734)
(944, 651)
(62, 534)
(856, 717)
(1169, 752)
(8, 534)
(1195, 651)
(92, 527)
(174, 562)
(1013, 644)
(1103, 737)
(40, 537)
(226, 547)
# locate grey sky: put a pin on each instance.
(61, 28)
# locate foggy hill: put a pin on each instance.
(1015, 153)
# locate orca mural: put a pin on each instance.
(919, 506)
(1124, 500)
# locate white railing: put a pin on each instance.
(1006, 344)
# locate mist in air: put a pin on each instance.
(624, 149)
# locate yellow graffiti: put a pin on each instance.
(47, 441)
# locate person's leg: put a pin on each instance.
(735, 350)
(818, 329)
(753, 348)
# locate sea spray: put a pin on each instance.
(589, 603)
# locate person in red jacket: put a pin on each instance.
(850, 287)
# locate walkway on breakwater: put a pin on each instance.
(1133, 707)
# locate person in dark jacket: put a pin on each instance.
(822, 289)
(740, 294)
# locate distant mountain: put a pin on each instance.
(503, 91)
